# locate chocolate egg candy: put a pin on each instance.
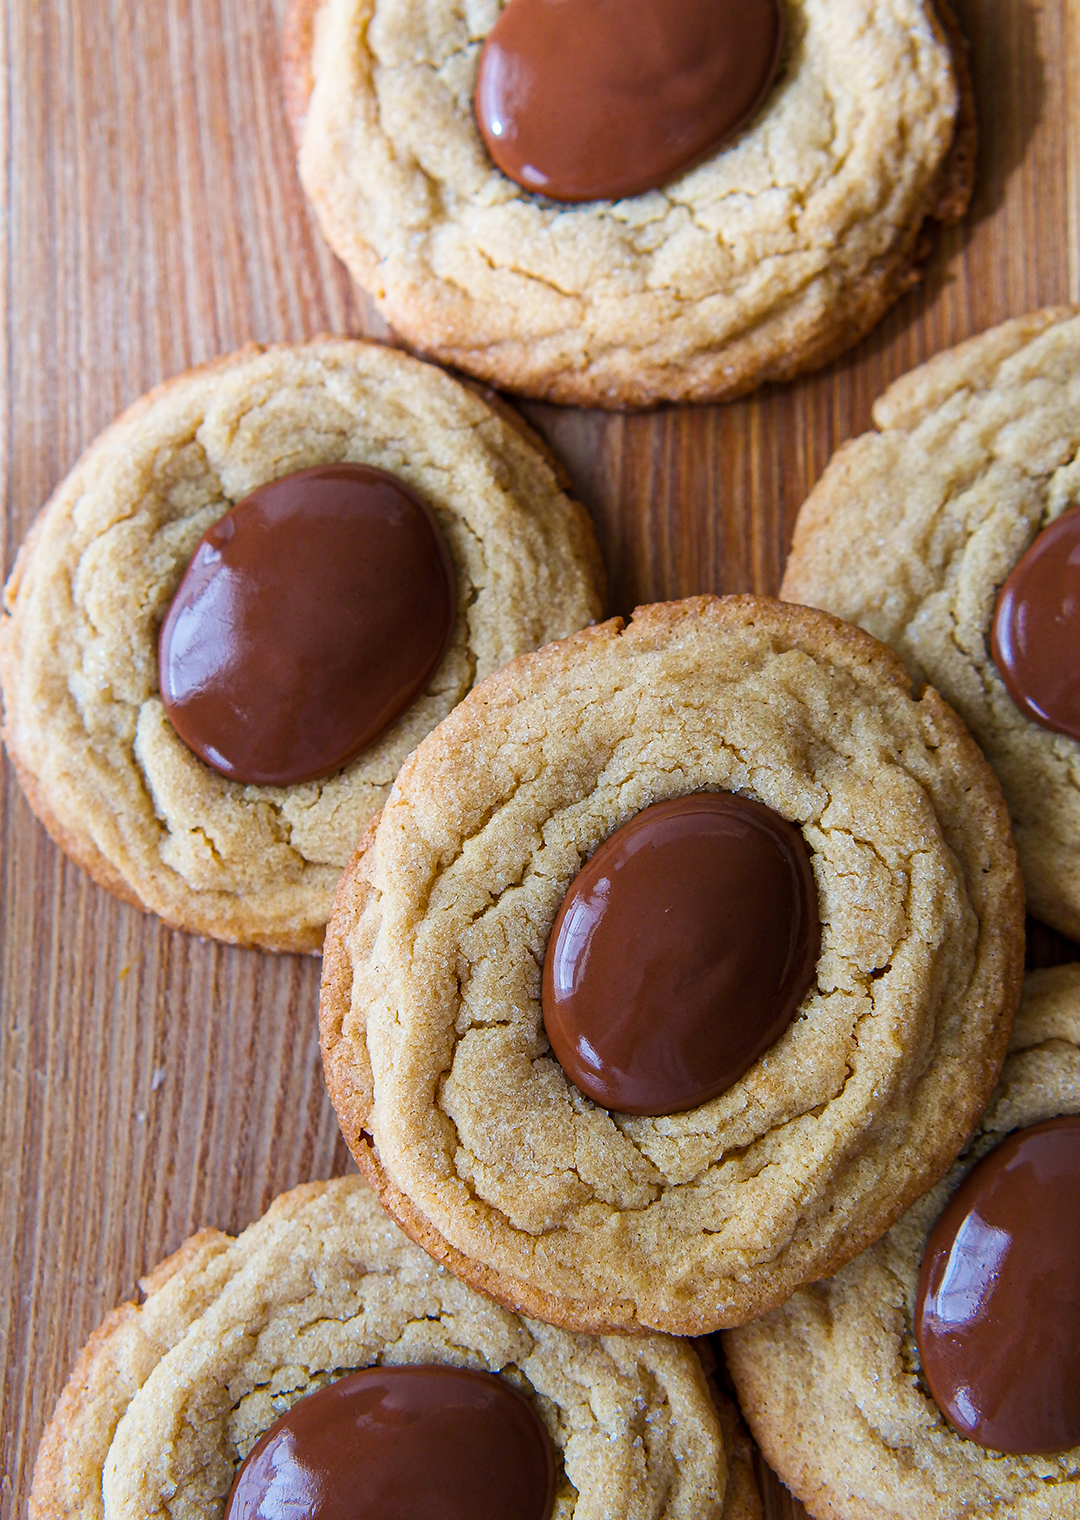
(309, 618)
(394, 1443)
(598, 99)
(997, 1316)
(681, 952)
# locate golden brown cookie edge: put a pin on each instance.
(348, 1081)
(947, 199)
(49, 1497)
(956, 180)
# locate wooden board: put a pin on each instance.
(151, 1083)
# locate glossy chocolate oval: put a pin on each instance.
(681, 952)
(395, 1443)
(1036, 635)
(997, 1317)
(597, 99)
(309, 618)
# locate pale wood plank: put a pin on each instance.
(150, 1083)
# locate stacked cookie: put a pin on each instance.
(699, 1209)
(769, 745)
(936, 1374)
(520, 989)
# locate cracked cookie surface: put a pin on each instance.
(170, 1395)
(912, 531)
(775, 254)
(433, 1041)
(83, 720)
(831, 1383)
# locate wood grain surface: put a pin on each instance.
(151, 1083)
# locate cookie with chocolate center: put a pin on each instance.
(248, 1346)
(682, 957)
(247, 603)
(617, 203)
(935, 1376)
(951, 533)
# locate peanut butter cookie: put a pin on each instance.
(84, 722)
(171, 1395)
(833, 1383)
(436, 1055)
(913, 530)
(774, 254)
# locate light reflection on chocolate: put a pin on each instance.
(310, 617)
(681, 952)
(394, 1443)
(997, 1316)
(1036, 632)
(598, 99)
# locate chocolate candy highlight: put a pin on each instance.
(997, 1317)
(681, 952)
(393, 1443)
(598, 99)
(1036, 634)
(309, 618)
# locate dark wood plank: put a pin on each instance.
(151, 1083)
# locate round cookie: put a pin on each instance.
(435, 1053)
(913, 529)
(766, 260)
(169, 1396)
(831, 1383)
(83, 721)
